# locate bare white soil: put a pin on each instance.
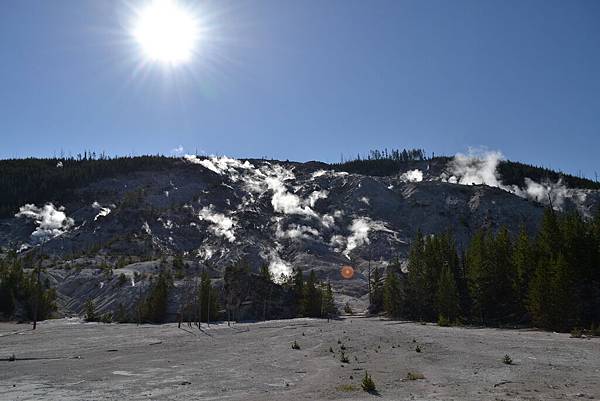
(70, 360)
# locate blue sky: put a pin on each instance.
(305, 80)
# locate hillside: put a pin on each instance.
(98, 219)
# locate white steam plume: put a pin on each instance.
(51, 222)
(222, 225)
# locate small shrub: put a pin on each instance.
(295, 345)
(576, 333)
(122, 279)
(344, 358)
(106, 318)
(443, 321)
(507, 360)
(368, 384)
(90, 311)
(418, 348)
(414, 376)
(348, 309)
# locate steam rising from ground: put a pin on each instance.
(412, 176)
(222, 225)
(359, 234)
(102, 211)
(51, 222)
(481, 167)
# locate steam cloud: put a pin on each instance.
(480, 167)
(102, 211)
(221, 226)
(51, 222)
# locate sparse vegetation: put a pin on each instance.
(368, 384)
(414, 376)
(418, 348)
(90, 311)
(507, 360)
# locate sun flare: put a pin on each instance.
(166, 32)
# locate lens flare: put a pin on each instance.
(347, 272)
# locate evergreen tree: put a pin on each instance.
(298, 283)
(376, 305)
(154, 309)
(447, 296)
(329, 308)
(524, 265)
(416, 280)
(208, 299)
(392, 296)
(312, 297)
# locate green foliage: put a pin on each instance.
(368, 384)
(311, 304)
(209, 299)
(576, 332)
(22, 288)
(428, 258)
(90, 311)
(551, 280)
(447, 297)
(154, 307)
(443, 321)
(381, 162)
(377, 292)
(392, 296)
(513, 173)
(38, 180)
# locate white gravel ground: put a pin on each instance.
(70, 360)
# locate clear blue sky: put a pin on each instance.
(306, 79)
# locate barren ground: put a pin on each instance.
(70, 360)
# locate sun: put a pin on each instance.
(166, 31)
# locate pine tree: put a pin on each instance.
(524, 265)
(312, 297)
(447, 296)
(329, 308)
(392, 295)
(265, 288)
(376, 305)
(208, 299)
(416, 280)
(90, 311)
(298, 282)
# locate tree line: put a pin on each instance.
(550, 280)
(23, 291)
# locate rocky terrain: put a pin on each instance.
(70, 360)
(214, 211)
